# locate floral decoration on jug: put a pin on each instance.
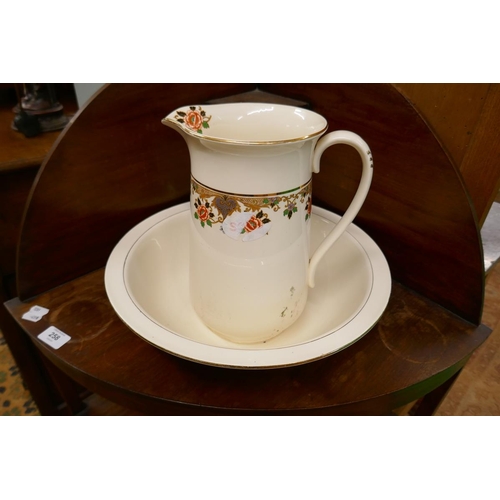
(194, 119)
(246, 218)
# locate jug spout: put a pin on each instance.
(247, 124)
(191, 120)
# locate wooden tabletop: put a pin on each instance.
(405, 356)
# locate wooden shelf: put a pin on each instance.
(404, 357)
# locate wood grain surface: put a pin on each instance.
(414, 348)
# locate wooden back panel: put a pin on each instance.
(418, 210)
(466, 119)
(116, 164)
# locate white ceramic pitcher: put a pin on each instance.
(251, 170)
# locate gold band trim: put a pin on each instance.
(242, 195)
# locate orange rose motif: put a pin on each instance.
(193, 120)
(252, 224)
(203, 213)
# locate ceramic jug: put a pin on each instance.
(251, 203)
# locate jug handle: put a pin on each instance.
(354, 140)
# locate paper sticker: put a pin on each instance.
(54, 337)
(35, 313)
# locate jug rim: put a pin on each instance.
(196, 121)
